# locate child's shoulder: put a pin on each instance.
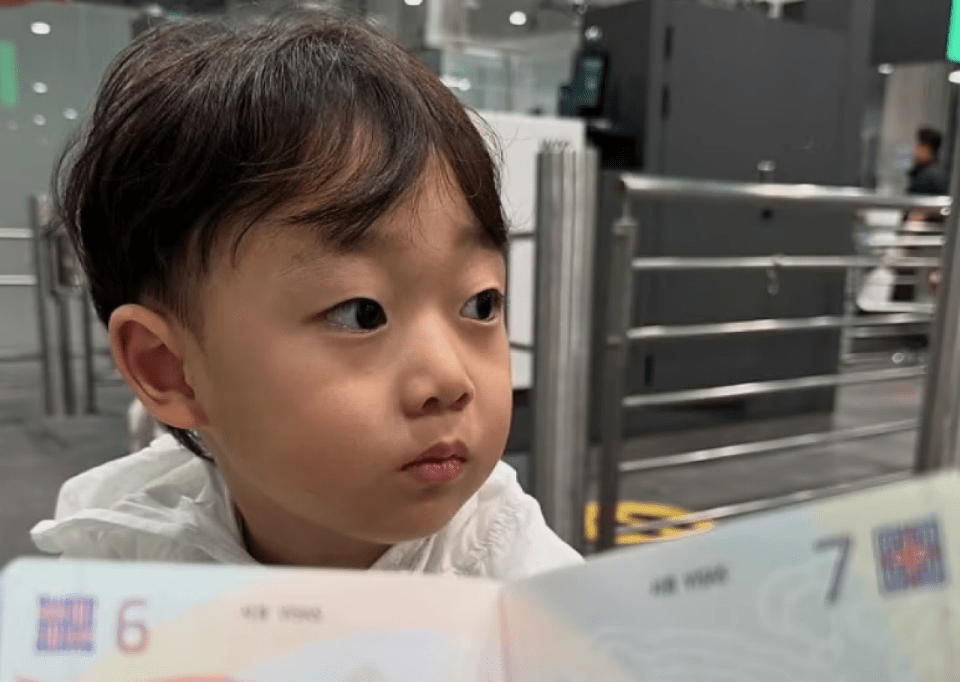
(106, 484)
(516, 540)
(162, 503)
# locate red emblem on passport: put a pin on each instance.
(66, 624)
(910, 556)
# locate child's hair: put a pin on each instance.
(202, 128)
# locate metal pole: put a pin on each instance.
(564, 274)
(940, 418)
(619, 318)
(849, 314)
(764, 194)
(672, 263)
(546, 261)
(64, 355)
(772, 325)
(580, 329)
(63, 282)
(89, 375)
(766, 504)
(39, 208)
(699, 395)
(766, 447)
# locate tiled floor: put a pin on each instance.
(37, 454)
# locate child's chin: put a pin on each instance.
(413, 526)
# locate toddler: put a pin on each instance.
(293, 233)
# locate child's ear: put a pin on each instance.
(149, 352)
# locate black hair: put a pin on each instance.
(931, 138)
(204, 127)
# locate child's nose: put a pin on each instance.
(437, 404)
(437, 379)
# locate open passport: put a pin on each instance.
(861, 588)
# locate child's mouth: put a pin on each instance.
(439, 464)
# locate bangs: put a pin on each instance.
(361, 139)
(204, 129)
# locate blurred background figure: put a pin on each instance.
(927, 176)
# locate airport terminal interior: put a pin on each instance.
(762, 335)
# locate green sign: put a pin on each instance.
(9, 92)
(953, 40)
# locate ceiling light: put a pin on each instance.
(413, 3)
(885, 69)
(954, 77)
(39, 119)
(70, 114)
(39, 87)
(518, 18)
(454, 83)
(41, 28)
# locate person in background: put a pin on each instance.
(927, 176)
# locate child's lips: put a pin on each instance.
(439, 464)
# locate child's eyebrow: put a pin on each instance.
(314, 256)
(472, 234)
(469, 235)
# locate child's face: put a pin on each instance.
(323, 376)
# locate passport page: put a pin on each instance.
(78, 621)
(860, 588)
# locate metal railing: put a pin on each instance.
(565, 236)
(58, 291)
(620, 333)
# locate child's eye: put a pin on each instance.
(360, 314)
(485, 306)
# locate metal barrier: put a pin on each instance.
(565, 239)
(565, 236)
(58, 287)
(940, 408)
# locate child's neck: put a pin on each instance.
(305, 546)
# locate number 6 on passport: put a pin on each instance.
(132, 635)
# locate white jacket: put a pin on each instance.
(164, 503)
